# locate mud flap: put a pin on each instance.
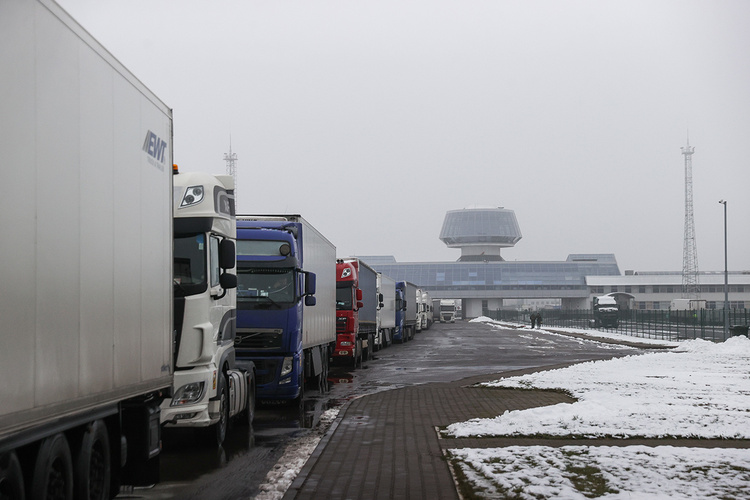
(315, 366)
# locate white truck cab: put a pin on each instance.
(208, 387)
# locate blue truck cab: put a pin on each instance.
(398, 333)
(283, 298)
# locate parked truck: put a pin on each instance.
(286, 301)
(86, 268)
(447, 311)
(409, 309)
(209, 387)
(357, 304)
(386, 312)
(425, 309)
(687, 304)
(399, 332)
(606, 312)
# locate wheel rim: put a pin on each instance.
(56, 481)
(98, 471)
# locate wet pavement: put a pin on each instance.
(444, 353)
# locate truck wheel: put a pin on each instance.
(357, 353)
(53, 470)
(250, 410)
(92, 468)
(367, 353)
(323, 376)
(299, 402)
(218, 432)
(11, 477)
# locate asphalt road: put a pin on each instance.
(444, 353)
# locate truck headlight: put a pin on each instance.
(193, 195)
(188, 394)
(286, 366)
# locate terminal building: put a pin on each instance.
(483, 280)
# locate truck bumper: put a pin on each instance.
(270, 384)
(199, 413)
(346, 345)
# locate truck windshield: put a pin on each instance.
(259, 286)
(190, 264)
(344, 297)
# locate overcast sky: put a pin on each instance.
(372, 119)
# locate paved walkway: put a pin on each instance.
(386, 446)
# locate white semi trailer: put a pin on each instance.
(85, 279)
(86, 347)
(386, 311)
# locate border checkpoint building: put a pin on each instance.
(483, 281)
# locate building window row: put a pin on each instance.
(671, 289)
(649, 305)
(472, 286)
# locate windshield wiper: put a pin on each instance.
(268, 300)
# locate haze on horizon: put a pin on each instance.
(373, 119)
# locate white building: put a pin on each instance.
(654, 291)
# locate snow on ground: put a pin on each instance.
(699, 389)
(591, 334)
(582, 472)
(291, 462)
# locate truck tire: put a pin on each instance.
(323, 375)
(358, 353)
(92, 467)
(370, 347)
(299, 402)
(216, 433)
(249, 414)
(11, 477)
(53, 470)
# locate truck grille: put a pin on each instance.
(265, 371)
(258, 338)
(341, 325)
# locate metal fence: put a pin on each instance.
(707, 324)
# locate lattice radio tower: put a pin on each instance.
(690, 282)
(231, 159)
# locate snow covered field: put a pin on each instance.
(699, 389)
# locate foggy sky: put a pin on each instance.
(372, 119)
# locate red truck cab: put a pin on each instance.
(348, 302)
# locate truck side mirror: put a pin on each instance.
(309, 285)
(227, 258)
(310, 300)
(359, 294)
(380, 300)
(360, 304)
(404, 306)
(228, 281)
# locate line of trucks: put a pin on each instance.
(134, 300)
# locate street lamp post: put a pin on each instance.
(726, 274)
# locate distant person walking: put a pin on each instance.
(538, 320)
(533, 320)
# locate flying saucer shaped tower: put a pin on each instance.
(480, 233)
